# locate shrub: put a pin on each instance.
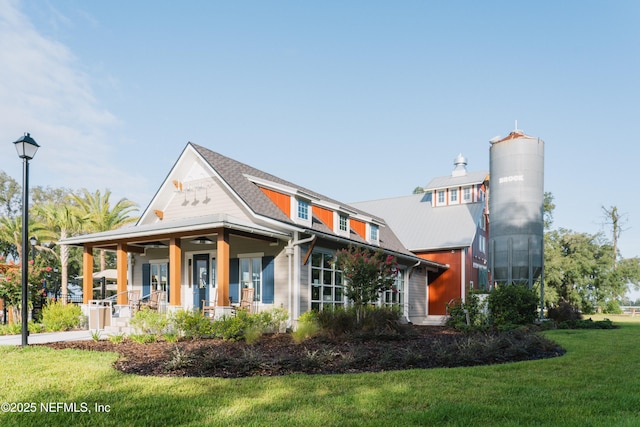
(272, 320)
(564, 311)
(10, 329)
(369, 320)
(192, 324)
(467, 315)
(233, 328)
(117, 338)
(308, 326)
(143, 338)
(58, 317)
(149, 321)
(512, 305)
(586, 324)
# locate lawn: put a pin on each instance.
(596, 383)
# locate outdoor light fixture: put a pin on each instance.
(156, 244)
(26, 148)
(204, 240)
(34, 241)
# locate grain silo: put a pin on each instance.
(516, 201)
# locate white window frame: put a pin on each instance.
(440, 197)
(251, 258)
(453, 196)
(318, 290)
(374, 233)
(466, 195)
(395, 296)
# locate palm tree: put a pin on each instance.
(62, 221)
(101, 216)
(11, 233)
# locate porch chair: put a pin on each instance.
(246, 300)
(134, 300)
(210, 308)
(154, 300)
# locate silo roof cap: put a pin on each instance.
(514, 135)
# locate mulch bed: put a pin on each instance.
(278, 354)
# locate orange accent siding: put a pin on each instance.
(446, 286)
(359, 227)
(281, 200)
(324, 215)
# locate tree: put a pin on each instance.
(367, 273)
(418, 190)
(62, 219)
(101, 216)
(10, 196)
(11, 285)
(615, 219)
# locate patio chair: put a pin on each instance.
(154, 300)
(209, 307)
(134, 300)
(246, 300)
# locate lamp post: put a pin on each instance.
(26, 148)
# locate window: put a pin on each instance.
(453, 195)
(303, 209)
(374, 232)
(327, 289)
(159, 276)
(251, 275)
(482, 244)
(395, 296)
(466, 194)
(342, 222)
(440, 197)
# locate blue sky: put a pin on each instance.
(356, 100)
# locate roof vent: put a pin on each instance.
(460, 164)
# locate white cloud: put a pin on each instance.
(44, 90)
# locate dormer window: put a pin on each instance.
(441, 197)
(303, 210)
(466, 194)
(343, 223)
(374, 232)
(453, 195)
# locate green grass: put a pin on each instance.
(597, 383)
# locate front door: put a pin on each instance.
(201, 279)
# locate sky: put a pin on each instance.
(356, 100)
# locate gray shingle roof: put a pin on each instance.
(235, 173)
(421, 227)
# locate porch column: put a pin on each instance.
(121, 265)
(175, 271)
(223, 268)
(87, 275)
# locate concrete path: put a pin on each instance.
(47, 337)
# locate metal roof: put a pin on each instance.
(470, 178)
(421, 227)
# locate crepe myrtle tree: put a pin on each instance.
(367, 273)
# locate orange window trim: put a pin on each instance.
(324, 215)
(282, 201)
(359, 227)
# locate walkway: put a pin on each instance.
(47, 337)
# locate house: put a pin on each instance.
(216, 226)
(446, 224)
